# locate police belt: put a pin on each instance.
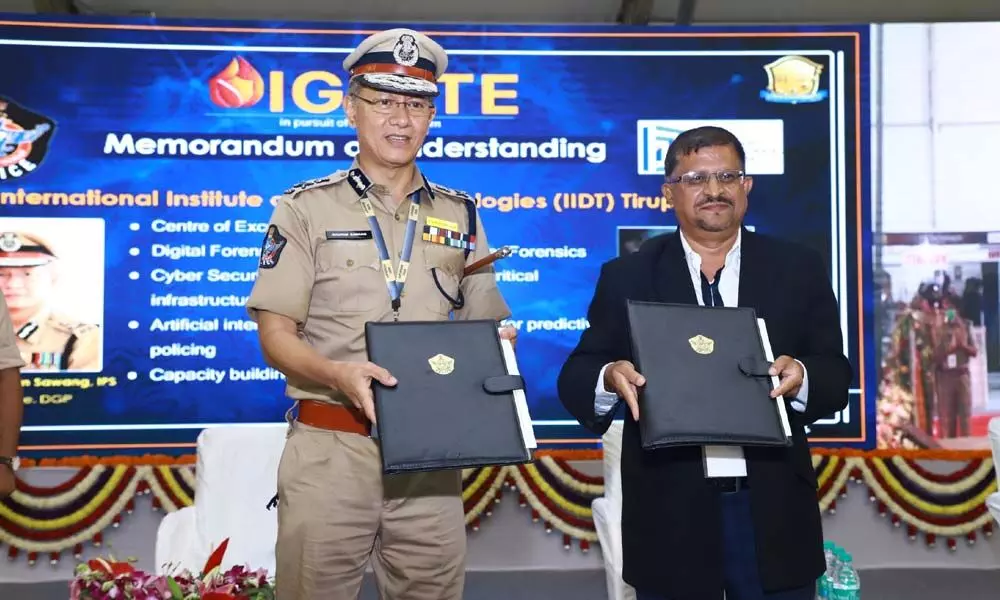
(333, 417)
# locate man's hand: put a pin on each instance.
(622, 378)
(509, 333)
(354, 380)
(6, 480)
(790, 374)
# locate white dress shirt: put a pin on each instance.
(720, 461)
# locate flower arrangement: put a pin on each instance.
(894, 411)
(100, 579)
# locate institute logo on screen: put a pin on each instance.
(793, 80)
(763, 141)
(237, 85)
(24, 139)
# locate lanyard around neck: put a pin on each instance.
(394, 279)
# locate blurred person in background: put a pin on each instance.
(953, 348)
(11, 401)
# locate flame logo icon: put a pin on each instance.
(238, 85)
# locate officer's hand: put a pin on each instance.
(355, 381)
(622, 378)
(6, 481)
(790, 376)
(509, 333)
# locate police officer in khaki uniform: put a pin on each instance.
(11, 401)
(953, 349)
(374, 243)
(47, 341)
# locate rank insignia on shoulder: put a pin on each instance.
(270, 251)
(447, 191)
(309, 184)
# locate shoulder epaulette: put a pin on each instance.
(84, 328)
(447, 191)
(310, 184)
(74, 327)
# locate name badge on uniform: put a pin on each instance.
(446, 233)
(363, 234)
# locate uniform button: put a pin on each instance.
(399, 218)
(350, 262)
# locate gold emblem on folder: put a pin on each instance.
(441, 364)
(702, 344)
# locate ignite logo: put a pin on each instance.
(24, 139)
(238, 85)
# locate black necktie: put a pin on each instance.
(710, 291)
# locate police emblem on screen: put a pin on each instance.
(24, 139)
(271, 249)
(793, 80)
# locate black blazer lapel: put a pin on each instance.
(671, 277)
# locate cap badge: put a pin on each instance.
(9, 242)
(406, 52)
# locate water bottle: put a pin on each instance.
(853, 582)
(825, 580)
(845, 584)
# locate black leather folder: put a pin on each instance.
(707, 380)
(453, 405)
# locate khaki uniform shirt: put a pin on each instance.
(49, 342)
(946, 358)
(10, 357)
(321, 268)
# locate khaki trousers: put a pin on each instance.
(337, 511)
(954, 402)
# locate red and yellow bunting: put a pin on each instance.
(48, 521)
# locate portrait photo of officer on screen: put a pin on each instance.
(53, 287)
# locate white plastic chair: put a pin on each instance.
(236, 477)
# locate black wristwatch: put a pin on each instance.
(13, 462)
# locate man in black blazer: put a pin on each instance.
(700, 521)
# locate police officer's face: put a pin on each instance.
(391, 127)
(710, 196)
(26, 287)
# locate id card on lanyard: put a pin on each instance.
(395, 279)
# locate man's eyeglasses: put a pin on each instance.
(701, 178)
(385, 106)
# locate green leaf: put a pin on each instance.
(175, 589)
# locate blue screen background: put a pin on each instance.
(93, 80)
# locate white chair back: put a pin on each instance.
(237, 476)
